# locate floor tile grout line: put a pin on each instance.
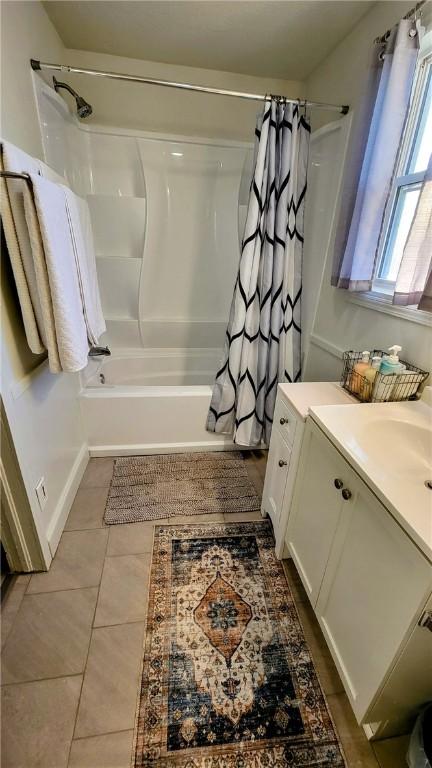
(87, 657)
(4, 640)
(128, 554)
(67, 589)
(37, 573)
(35, 594)
(147, 579)
(41, 679)
(100, 584)
(119, 624)
(78, 530)
(105, 733)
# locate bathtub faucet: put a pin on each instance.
(99, 351)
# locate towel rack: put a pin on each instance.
(13, 175)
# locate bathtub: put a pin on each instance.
(153, 401)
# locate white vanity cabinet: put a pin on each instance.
(292, 406)
(281, 465)
(316, 509)
(368, 583)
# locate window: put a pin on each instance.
(410, 171)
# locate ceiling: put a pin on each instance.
(279, 39)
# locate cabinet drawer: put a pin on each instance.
(285, 420)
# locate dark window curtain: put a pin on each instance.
(372, 156)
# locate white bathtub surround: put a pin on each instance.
(262, 344)
(152, 401)
(161, 286)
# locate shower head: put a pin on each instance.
(83, 108)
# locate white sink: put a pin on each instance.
(399, 445)
(390, 446)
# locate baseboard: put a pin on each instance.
(65, 501)
(225, 444)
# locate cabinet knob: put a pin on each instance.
(346, 494)
(338, 483)
(282, 463)
(283, 421)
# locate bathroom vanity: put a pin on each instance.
(292, 408)
(359, 530)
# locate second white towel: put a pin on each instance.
(57, 274)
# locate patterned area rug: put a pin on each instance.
(228, 680)
(155, 487)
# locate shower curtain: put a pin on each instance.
(262, 345)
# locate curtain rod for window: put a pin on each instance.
(41, 65)
(410, 15)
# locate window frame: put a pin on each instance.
(403, 179)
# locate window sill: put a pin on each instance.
(382, 303)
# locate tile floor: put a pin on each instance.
(72, 645)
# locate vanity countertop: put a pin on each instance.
(390, 447)
(303, 395)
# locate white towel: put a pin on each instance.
(58, 259)
(50, 243)
(18, 241)
(82, 239)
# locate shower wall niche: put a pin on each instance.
(168, 215)
(118, 207)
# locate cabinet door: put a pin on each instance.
(316, 507)
(376, 580)
(409, 684)
(276, 477)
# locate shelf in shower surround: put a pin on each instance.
(116, 164)
(118, 225)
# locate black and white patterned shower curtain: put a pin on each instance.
(263, 338)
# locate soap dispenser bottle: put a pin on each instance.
(369, 376)
(356, 380)
(389, 370)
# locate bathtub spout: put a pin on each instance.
(99, 351)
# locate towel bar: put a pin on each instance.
(13, 175)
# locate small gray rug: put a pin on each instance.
(162, 486)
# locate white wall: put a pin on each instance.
(340, 324)
(42, 409)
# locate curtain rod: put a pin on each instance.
(41, 65)
(411, 14)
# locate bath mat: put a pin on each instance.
(157, 487)
(228, 679)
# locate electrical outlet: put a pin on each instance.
(41, 493)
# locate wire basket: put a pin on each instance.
(382, 388)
